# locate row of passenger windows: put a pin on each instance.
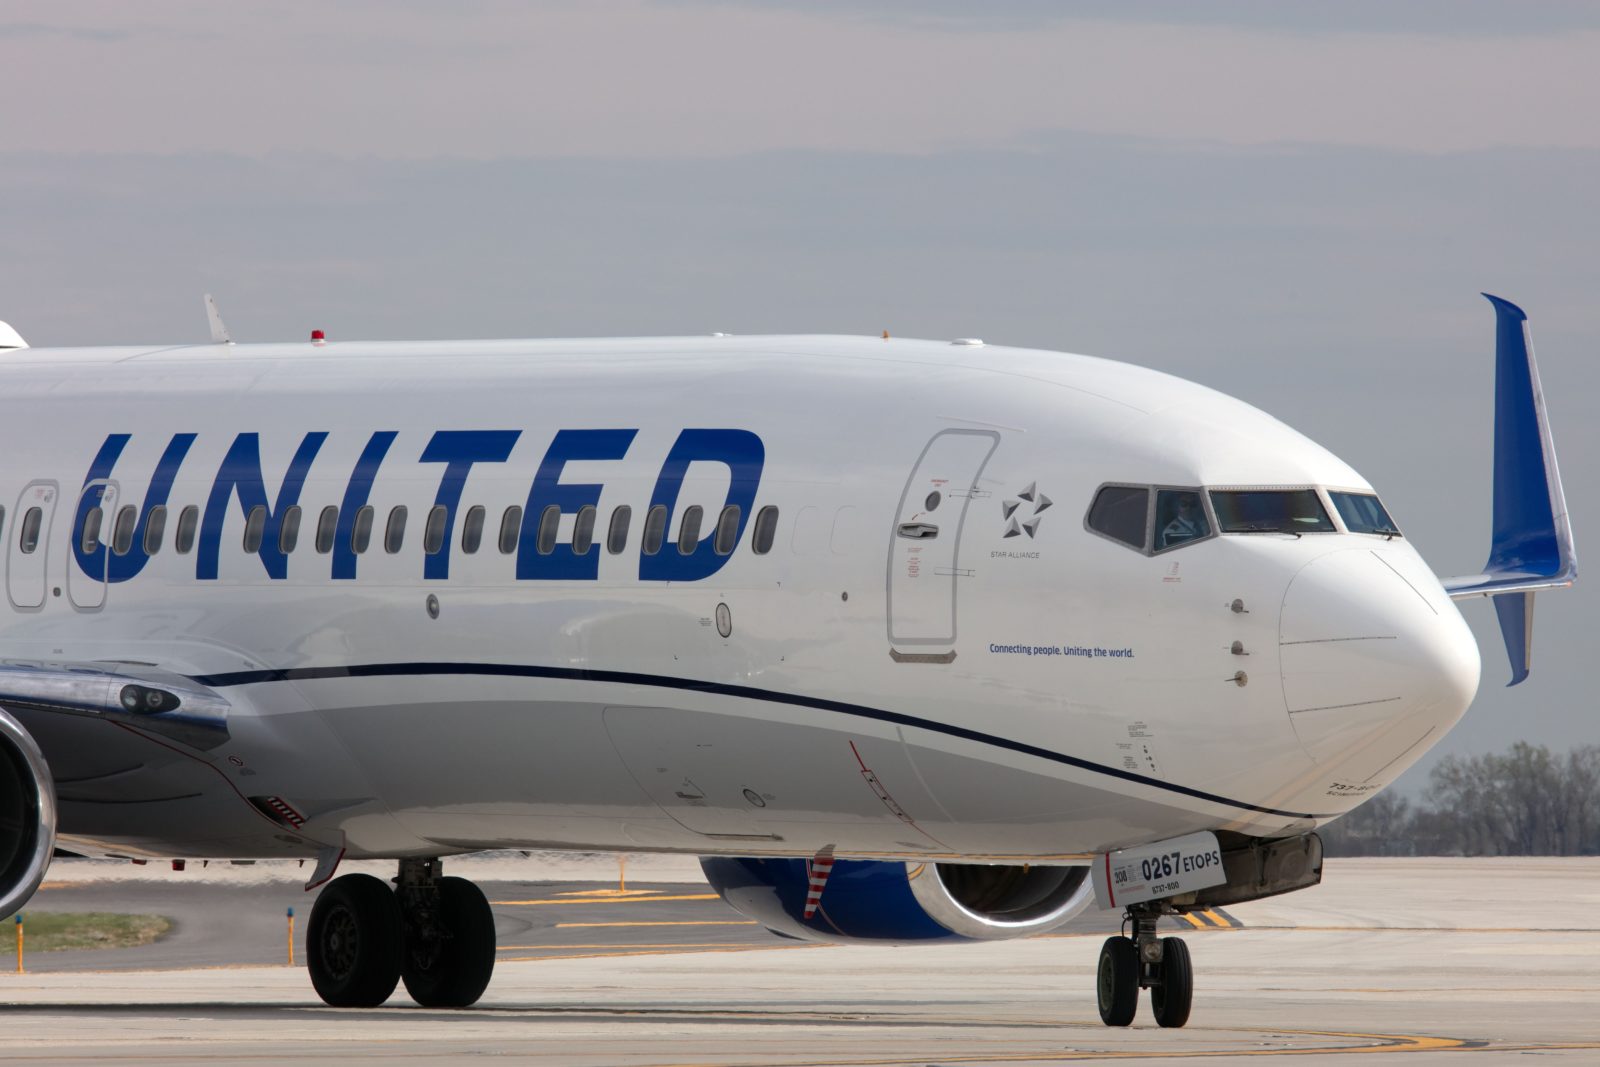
(473, 527)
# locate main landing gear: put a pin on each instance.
(1144, 961)
(434, 933)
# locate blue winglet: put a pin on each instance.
(1516, 626)
(1531, 544)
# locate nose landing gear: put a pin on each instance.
(1144, 961)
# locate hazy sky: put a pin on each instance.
(1294, 203)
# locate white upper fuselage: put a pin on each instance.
(1045, 694)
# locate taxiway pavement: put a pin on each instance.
(1387, 959)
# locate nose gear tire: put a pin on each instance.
(1117, 981)
(1171, 999)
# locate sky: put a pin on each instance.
(1297, 204)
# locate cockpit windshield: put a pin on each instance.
(1295, 511)
(1362, 513)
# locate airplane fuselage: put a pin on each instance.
(927, 650)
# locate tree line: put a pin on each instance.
(1526, 801)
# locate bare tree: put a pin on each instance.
(1523, 802)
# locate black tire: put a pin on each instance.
(455, 972)
(353, 942)
(1172, 998)
(1117, 981)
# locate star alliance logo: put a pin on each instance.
(1016, 527)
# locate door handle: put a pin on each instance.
(917, 531)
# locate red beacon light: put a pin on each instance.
(318, 337)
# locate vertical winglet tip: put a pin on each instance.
(1515, 614)
(1505, 307)
(219, 331)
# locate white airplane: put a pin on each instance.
(910, 640)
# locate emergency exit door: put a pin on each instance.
(28, 546)
(86, 581)
(925, 572)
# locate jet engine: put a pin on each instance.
(901, 903)
(27, 815)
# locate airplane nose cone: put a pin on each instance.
(1375, 658)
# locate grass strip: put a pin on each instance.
(63, 931)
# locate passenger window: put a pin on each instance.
(155, 528)
(549, 524)
(255, 526)
(472, 529)
(689, 530)
(617, 534)
(361, 530)
(30, 529)
(583, 530)
(655, 529)
(1120, 512)
(433, 532)
(766, 530)
(327, 529)
(122, 529)
(289, 530)
(188, 523)
(1180, 518)
(727, 530)
(91, 530)
(510, 529)
(394, 534)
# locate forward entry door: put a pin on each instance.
(925, 545)
(29, 545)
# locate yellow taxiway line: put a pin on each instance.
(667, 922)
(630, 899)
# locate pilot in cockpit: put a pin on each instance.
(1188, 522)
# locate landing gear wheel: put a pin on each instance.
(453, 970)
(1171, 999)
(1117, 981)
(353, 942)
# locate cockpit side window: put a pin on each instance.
(1362, 513)
(1180, 518)
(1121, 512)
(1294, 511)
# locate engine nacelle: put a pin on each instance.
(904, 903)
(27, 815)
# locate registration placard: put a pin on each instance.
(1158, 870)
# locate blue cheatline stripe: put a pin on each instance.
(744, 692)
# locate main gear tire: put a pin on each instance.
(353, 942)
(454, 970)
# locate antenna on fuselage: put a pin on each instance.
(219, 329)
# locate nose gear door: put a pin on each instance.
(925, 544)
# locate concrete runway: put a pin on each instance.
(1387, 959)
